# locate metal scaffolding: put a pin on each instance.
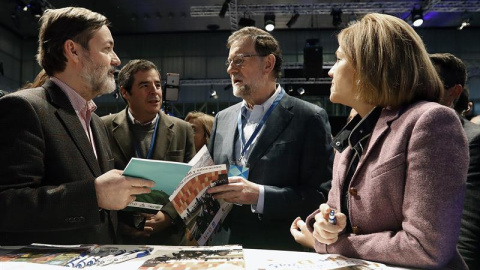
(326, 8)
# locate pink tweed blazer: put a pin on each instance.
(406, 196)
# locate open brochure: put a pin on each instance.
(185, 185)
(213, 257)
(167, 175)
(312, 261)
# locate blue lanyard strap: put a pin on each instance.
(259, 126)
(152, 143)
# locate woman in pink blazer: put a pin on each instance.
(401, 163)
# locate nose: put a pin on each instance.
(115, 60)
(231, 68)
(331, 71)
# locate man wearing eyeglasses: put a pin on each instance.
(284, 143)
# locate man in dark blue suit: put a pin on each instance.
(453, 73)
(283, 141)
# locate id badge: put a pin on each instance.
(237, 170)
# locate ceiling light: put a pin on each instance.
(301, 91)
(213, 93)
(465, 21)
(293, 20)
(269, 22)
(417, 17)
(336, 16)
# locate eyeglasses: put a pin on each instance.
(238, 59)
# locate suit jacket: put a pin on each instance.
(174, 142)
(406, 195)
(291, 158)
(469, 240)
(47, 171)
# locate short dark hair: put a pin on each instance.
(60, 25)
(450, 69)
(265, 44)
(127, 73)
(462, 102)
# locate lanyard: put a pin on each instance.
(259, 126)
(152, 143)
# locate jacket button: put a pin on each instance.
(352, 191)
(356, 229)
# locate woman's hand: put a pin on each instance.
(324, 231)
(301, 234)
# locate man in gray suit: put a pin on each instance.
(56, 182)
(283, 141)
(142, 130)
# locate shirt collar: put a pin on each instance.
(357, 130)
(79, 104)
(263, 107)
(136, 122)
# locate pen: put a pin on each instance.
(117, 257)
(88, 261)
(75, 260)
(138, 254)
(109, 258)
(331, 217)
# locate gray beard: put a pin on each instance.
(243, 91)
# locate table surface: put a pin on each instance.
(255, 259)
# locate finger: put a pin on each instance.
(140, 190)
(295, 224)
(132, 198)
(302, 225)
(325, 209)
(221, 188)
(148, 229)
(235, 179)
(137, 182)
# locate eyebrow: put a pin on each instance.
(155, 81)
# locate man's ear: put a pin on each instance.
(70, 49)
(269, 63)
(456, 91)
(123, 92)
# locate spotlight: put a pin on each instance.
(213, 93)
(224, 9)
(293, 20)
(243, 22)
(465, 21)
(301, 91)
(269, 21)
(336, 16)
(417, 17)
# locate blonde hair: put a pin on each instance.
(392, 66)
(205, 119)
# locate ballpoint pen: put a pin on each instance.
(331, 217)
(109, 258)
(138, 254)
(118, 256)
(76, 260)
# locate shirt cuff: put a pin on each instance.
(258, 208)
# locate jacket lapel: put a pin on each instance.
(164, 137)
(230, 132)
(69, 118)
(274, 126)
(100, 143)
(383, 125)
(122, 135)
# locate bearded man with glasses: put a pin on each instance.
(282, 141)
